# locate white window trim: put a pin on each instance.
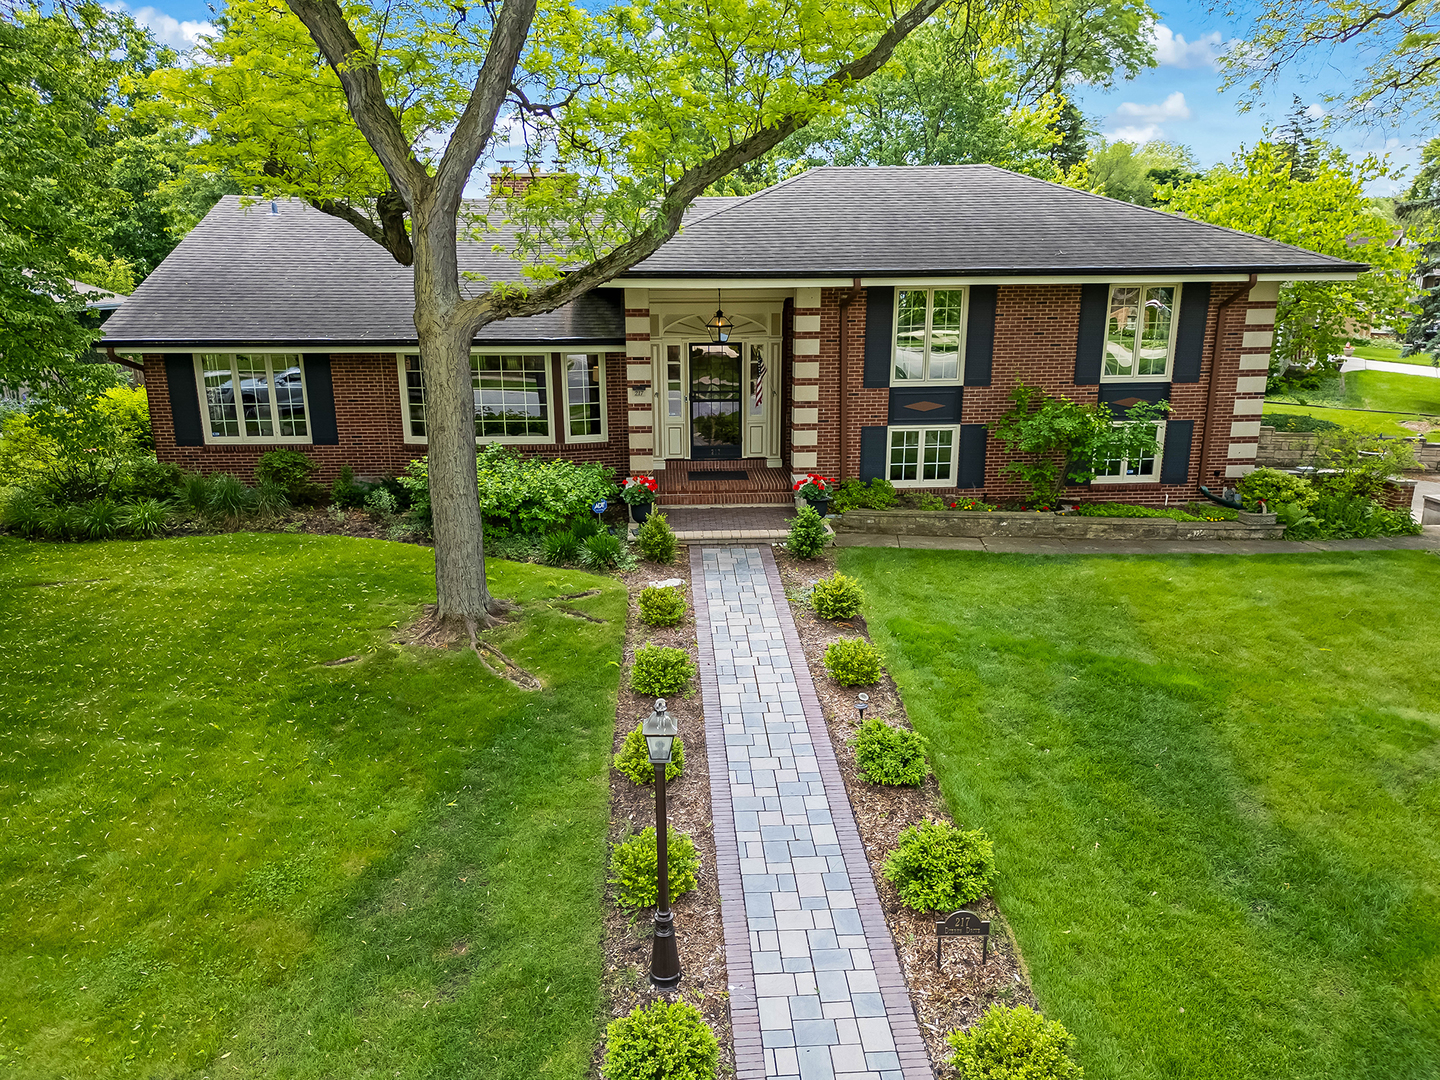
(930, 291)
(604, 435)
(307, 439)
(1164, 376)
(1159, 462)
(920, 482)
(507, 440)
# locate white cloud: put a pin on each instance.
(1172, 108)
(180, 34)
(1172, 50)
(1137, 135)
(1315, 112)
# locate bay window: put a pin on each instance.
(254, 397)
(929, 328)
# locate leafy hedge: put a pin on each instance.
(522, 494)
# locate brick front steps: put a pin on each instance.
(688, 484)
(981, 523)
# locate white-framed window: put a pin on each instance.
(1145, 470)
(511, 394)
(1140, 332)
(584, 396)
(254, 397)
(929, 336)
(922, 456)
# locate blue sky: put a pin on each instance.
(1180, 100)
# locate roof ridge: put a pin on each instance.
(754, 195)
(1172, 216)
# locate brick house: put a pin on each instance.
(879, 318)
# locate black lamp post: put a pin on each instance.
(660, 730)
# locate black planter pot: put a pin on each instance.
(820, 506)
(639, 512)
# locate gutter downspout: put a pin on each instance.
(1220, 312)
(847, 298)
(116, 359)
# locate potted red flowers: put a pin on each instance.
(815, 490)
(639, 492)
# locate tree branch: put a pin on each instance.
(488, 308)
(477, 122)
(364, 93)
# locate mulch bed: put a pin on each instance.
(945, 998)
(699, 931)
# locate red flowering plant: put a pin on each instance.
(638, 490)
(813, 487)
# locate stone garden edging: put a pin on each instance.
(981, 523)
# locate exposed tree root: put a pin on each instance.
(442, 632)
(508, 668)
(579, 595)
(342, 660)
(578, 614)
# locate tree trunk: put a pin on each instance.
(445, 342)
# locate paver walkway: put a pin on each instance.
(815, 986)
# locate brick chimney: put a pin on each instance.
(513, 183)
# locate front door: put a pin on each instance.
(715, 405)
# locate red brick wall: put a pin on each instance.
(369, 423)
(1036, 329)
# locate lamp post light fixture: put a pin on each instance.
(719, 326)
(861, 704)
(660, 730)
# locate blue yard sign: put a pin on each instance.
(600, 506)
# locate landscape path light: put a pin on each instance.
(861, 704)
(660, 730)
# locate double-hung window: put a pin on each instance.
(1140, 331)
(511, 394)
(584, 396)
(254, 397)
(1143, 470)
(929, 333)
(923, 457)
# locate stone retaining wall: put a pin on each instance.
(979, 523)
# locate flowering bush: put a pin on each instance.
(639, 490)
(814, 486)
(968, 503)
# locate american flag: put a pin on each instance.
(760, 384)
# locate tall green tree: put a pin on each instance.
(1419, 210)
(1131, 172)
(1396, 45)
(380, 115)
(1327, 212)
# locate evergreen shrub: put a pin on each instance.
(807, 534)
(892, 756)
(664, 1041)
(1014, 1044)
(853, 662)
(661, 607)
(634, 862)
(655, 539)
(634, 758)
(659, 670)
(837, 597)
(938, 867)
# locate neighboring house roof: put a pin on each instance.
(96, 298)
(250, 275)
(284, 273)
(962, 220)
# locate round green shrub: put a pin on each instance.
(601, 552)
(634, 759)
(889, 755)
(655, 539)
(807, 534)
(1274, 487)
(666, 1041)
(659, 670)
(837, 597)
(290, 469)
(635, 862)
(937, 867)
(661, 607)
(1014, 1044)
(853, 662)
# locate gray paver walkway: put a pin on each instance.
(816, 988)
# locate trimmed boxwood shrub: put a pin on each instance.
(937, 867)
(655, 539)
(853, 662)
(661, 607)
(889, 755)
(1014, 1044)
(665, 1041)
(837, 597)
(634, 863)
(634, 758)
(659, 670)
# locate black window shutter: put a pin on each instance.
(980, 334)
(1190, 333)
(972, 456)
(872, 452)
(879, 325)
(1175, 464)
(1090, 347)
(184, 399)
(321, 395)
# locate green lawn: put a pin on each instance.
(1214, 787)
(221, 858)
(1374, 423)
(1392, 354)
(1413, 397)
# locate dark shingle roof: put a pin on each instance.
(245, 275)
(961, 220)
